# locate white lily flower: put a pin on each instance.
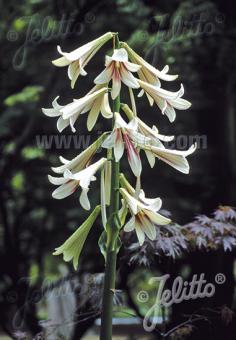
(152, 203)
(69, 183)
(167, 101)
(175, 158)
(144, 217)
(78, 59)
(147, 72)
(126, 135)
(82, 160)
(153, 135)
(93, 102)
(118, 69)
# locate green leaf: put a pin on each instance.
(32, 152)
(18, 181)
(29, 94)
(73, 246)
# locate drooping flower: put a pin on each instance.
(175, 158)
(126, 135)
(151, 202)
(78, 59)
(167, 101)
(93, 102)
(144, 217)
(147, 72)
(152, 134)
(118, 69)
(82, 160)
(69, 183)
(72, 247)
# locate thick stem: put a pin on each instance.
(112, 237)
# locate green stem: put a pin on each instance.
(112, 237)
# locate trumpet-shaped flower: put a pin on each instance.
(118, 69)
(167, 101)
(82, 160)
(147, 72)
(126, 135)
(78, 59)
(152, 203)
(144, 217)
(72, 247)
(152, 134)
(93, 102)
(175, 158)
(71, 181)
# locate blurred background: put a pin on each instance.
(41, 296)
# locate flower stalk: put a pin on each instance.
(112, 239)
(122, 206)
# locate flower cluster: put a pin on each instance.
(129, 135)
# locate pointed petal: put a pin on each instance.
(104, 76)
(130, 225)
(140, 234)
(110, 141)
(65, 190)
(116, 84)
(180, 104)
(57, 180)
(127, 78)
(130, 200)
(132, 67)
(157, 218)
(84, 201)
(105, 107)
(170, 112)
(93, 114)
(148, 228)
(62, 124)
(119, 145)
(133, 157)
(151, 158)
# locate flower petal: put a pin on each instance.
(157, 218)
(84, 201)
(57, 180)
(105, 107)
(104, 76)
(130, 225)
(130, 200)
(109, 142)
(151, 158)
(119, 145)
(65, 190)
(62, 124)
(116, 84)
(93, 114)
(148, 227)
(127, 78)
(139, 232)
(120, 55)
(133, 156)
